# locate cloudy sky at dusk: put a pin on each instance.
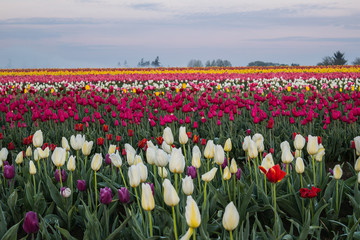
(102, 33)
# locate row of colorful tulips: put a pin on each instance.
(216, 200)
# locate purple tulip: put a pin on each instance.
(31, 223)
(107, 159)
(124, 195)
(331, 171)
(191, 171)
(81, 185)
(238, 174)
(225, 163)
(106, 195)
(9, 171)
(63, 175)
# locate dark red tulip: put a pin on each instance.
(31, 223)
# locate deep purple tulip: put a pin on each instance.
(107, 159)
(106, 195)
(5, 163)
(124, 195)
(81, 185)
(9, 171)
(31, 223)
(331, 171)
(191, 171)
(63, 175)
(225, 163)
(238, 174)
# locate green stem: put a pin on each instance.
(151, 228)
(38, 162)
(227, 183)
(275, 208)
(77, 158)
(337, 196)
(313, 162)
(198, 177)
(287, 173)
(256, 176)
(205, 193)
(222, 179)
(320, 171)
(185, 154)
(175, 229)
(208, 165)
(234, 185)
(122, 175)
(71, 186)
(60, 177)
(137, 199)
(265, 184)
(231, 236)
(249, 167)
(154, 171)
(95, 192)
(194, 234)
(85, 161)
(176, 186)
(45, 169)
(34, 184)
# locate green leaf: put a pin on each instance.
(114, 234)
(11, 233)
(66, 233)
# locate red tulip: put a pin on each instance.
(274, 174)
(309, 193)
(105, 128)
(100, 141)
(79, 127)
(130, 133)
(159, 140)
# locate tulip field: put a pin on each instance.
(180, 153)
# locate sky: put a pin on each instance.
(108, 33)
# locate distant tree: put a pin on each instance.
(264, 64)
(356, 61)
(119, 64)
(338, 58)
(227, 63)
(125, 64)
(208, 64)
(156, 62)
(294, 65)
(326, 61)
(195, 63)
(143, 63)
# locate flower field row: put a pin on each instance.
(180, 152)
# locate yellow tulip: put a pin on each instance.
(112, 149)
(176, 161)
(233, 166)
(209, 149)
(143, 171)
(183, 137)
(71, 164)
(228, 145)
(32, 168)
(171, 197)
(357, 165)
(19, 158)
(65, 144)
(338, 172)
(196, 157)
(192, 213)
(207, 177)
(134, 176)
(312, 145)
(96, 162)
(86, 148)
(58, 157)
(252, 150)
(227, 173)
(299, 165)
(28, 152)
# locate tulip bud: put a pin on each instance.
(31, 223)
(19, 158)
(286, 156)
(209, 149)
(137, 159)
(187, 185)
(106, 195)
(196, 157)
(233, 166)
(38, 139)
(231, 217)
(112, 149)
(28, 152)
(259, 140)
(81, 185)
(9, 171)
(147, 198)
(227, 173)
(166, 147)
(228, 145)
(96, 162)
(150, 144)
(164, 172)
(191, 171)
(86, 148)
(134, 176)
(36, 155)
(357, 145)
(32, 168)
(183, 137)
(338, 172)
(176, 161)
(245, 144)
(116, 159)
(168, 136)
(65, 192)
(299, 165)
(71, 164)
(299, 142)
(65, 144)
(297, 153)
(162, 158)
(151, 155)
(219, 154)
(320, 154)
(143, 171)
(77, 142)
(192, 213)
(3, 154)
(284, 145)
(58, 157)
(268, 162)
(207, 177)
(312, 145)
(357, 165)
(46, 152)
(130, 154)
(252, 150)
(171, 197)
(124, 195)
